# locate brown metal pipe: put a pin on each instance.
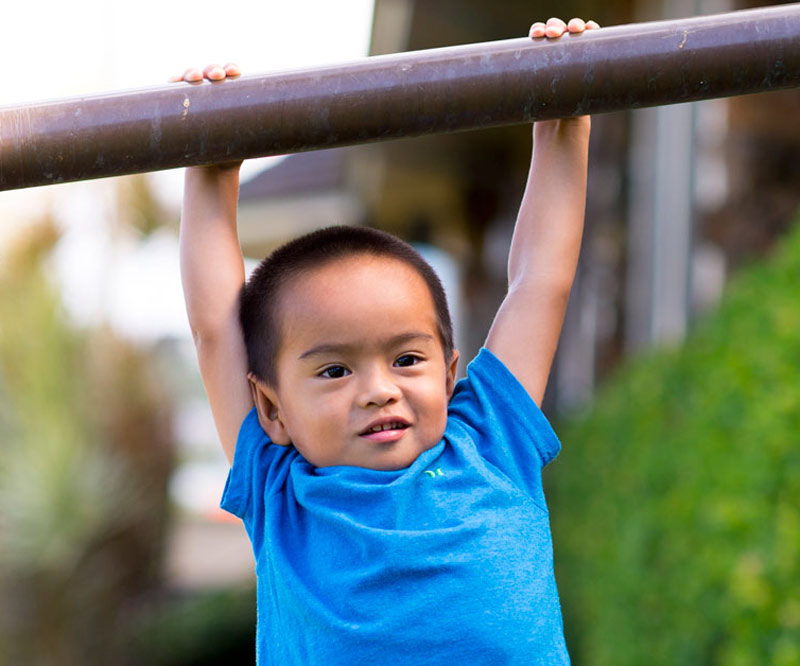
(385, 97)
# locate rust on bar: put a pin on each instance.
(386, 97)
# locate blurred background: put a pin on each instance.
(676, 501)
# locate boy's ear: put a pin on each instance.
(451, 373)
(269, 416)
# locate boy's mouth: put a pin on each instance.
(385, 430)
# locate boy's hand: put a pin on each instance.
(211, 72)
(555, 27)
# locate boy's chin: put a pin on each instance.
(385, 461)
(397, 460)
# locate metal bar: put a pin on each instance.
(386, 97)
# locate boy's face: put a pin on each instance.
(362, 378)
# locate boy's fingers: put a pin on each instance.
(211, 72)
(576, 25)
(555, 27)
(191, 75)
(232, 70)
(214, 72)
(537, 30)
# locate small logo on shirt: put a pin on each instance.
(433, 473)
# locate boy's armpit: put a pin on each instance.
(525, 332)
(508, 429)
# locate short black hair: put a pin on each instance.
(260, 295)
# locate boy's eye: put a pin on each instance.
(407, 360)
(334, 372)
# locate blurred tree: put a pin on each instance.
(137, 205)
(676, 503)
(85, 453)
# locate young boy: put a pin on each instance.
(396, 516)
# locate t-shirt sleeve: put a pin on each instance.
(259, 469)
(509, 429)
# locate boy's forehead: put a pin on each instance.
(356, 295)
(355, 276)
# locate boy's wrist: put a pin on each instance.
(211, 191)
(572, 124)
(215, 180)
(226, 170)
(568, 130)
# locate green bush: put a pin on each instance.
(676, 501)
(198, 629)
(85, 454)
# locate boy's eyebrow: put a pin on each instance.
(333, 348)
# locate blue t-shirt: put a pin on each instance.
(448, 561)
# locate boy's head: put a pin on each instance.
(259, 307)
(349, 340)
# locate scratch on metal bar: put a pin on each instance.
(683, 41)
(185, 112)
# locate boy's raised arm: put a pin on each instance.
(212, 271)
(544, 253)
(546, 243)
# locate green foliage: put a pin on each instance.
(84, 458)
(676, 502)
(137, 206)
(199, 629)
(52, 488)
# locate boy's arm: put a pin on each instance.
(546, 241)
(544, 253)
(212, 271)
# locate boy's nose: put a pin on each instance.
(378, 388)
